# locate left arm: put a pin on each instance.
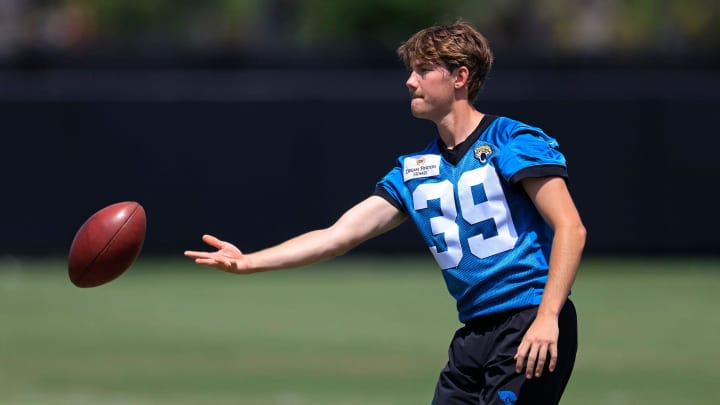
(552, 199)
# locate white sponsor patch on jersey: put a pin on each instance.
(415, 167)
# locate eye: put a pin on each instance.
(423, 69)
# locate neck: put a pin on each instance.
(457, 125)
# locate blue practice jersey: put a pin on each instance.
(485, 233)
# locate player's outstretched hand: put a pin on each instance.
(227, 257)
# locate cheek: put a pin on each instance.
(440, 92)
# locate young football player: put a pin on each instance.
(490, 199)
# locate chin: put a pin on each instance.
(418, 113)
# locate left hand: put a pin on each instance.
(540, 340)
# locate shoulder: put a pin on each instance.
(431, 149)
(506, 128)
(507, 133)
(409, 166)
(525, 151)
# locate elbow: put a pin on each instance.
(341, 250)
(343, 246)
(338, 243)
(572, 235)
(580, 234)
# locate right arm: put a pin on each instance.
(368, 219)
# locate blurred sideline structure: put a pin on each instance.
(208, 112)
(67, 32)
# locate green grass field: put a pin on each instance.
(359, 330)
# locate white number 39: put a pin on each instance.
(494, 208)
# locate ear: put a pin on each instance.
(461, 77)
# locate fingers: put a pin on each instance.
(526, 358)
(520, 356)
(213, 261)
(227, 257)
(533, 357)
(553, 357)
(195, 255)
(210, 240)
(208, 258)
(204, 258)
(538, 367)
(213, 241)
(531, 360)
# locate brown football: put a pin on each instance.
(107, 244)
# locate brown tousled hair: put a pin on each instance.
(451, 46)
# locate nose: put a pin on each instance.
(411, 81)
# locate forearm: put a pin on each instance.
(568, 245)
(365, 220)
(308, 248)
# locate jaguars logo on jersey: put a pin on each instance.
(482, 153)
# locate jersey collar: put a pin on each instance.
(454, 155)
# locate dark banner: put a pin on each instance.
(255, 160)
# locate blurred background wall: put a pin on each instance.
(257, 120)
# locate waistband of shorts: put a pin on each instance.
(494, 318)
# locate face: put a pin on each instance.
(431, 89)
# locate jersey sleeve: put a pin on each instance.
(390, 188)
(530, 152)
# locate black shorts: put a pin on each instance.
(481, 367)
